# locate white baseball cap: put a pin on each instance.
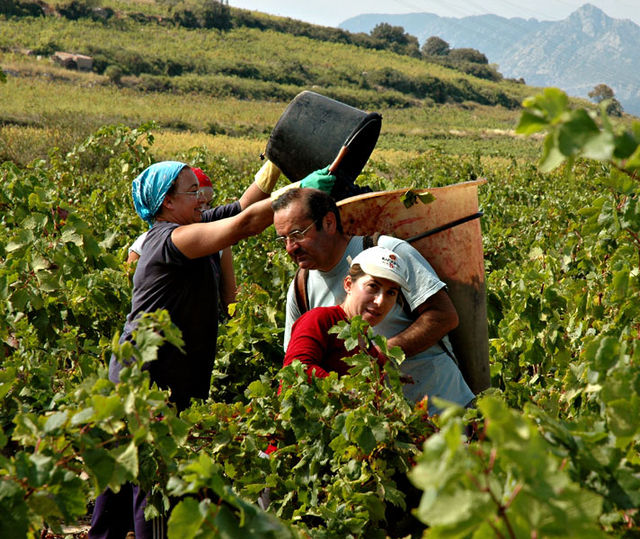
(384, 263)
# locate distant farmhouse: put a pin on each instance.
(73, 61)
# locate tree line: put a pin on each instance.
(216, 14)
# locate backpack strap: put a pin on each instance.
(300, 288)
(370, 241)
(407, 310)
(448, 352)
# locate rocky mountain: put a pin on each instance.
(575, 54)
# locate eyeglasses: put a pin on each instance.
(204, 194)
(295, 236)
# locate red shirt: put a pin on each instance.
(313, 345)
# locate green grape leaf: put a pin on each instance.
(552, 157)
(55, 421)
(186, 519)
(21, 238)
(101, 465)
(126, 459)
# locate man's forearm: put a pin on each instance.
(437, 318)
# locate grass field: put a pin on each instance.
(226, 90)
(57, 108)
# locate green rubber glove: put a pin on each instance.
(320, 179)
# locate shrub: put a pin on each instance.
(11, 8)
(481, 71)
(176, 125)
(137, 16)
(214, 128)
(215, 14)
(102, 13)
(202, 14)
(242, 17)
(114, 74)
(75, 9)
(241, 69)
(396, 80)
(184, 15)
(614, 108)
(467, 55)
(153, 83)
(101, 62)
(436, 89)
(46, 48)
(435, 46)
(133, 62)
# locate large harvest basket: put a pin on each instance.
(455, 253)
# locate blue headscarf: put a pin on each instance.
(150, 187)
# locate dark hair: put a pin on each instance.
(316, 203)
(174, 183)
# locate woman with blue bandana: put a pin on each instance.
(223, 261)
(176, 272)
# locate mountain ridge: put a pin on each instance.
(576, 53)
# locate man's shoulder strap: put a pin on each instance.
(370, 241)
(300, 288)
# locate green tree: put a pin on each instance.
(435, 46)
(602, 92)
(114, 74)
(202, 14)
(468, 55)
(396, 38)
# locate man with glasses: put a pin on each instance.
(176, 272)
(308, 225)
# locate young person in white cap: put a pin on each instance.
(373, 286)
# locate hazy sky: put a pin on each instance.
(333, 12)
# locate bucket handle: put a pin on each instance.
(369, 118)
(446, 226)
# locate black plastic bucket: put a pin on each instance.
(312, 130)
